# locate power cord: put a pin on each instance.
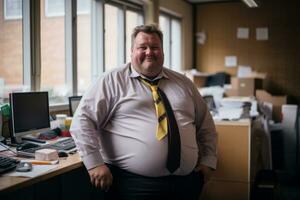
(8, 148)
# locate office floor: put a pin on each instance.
(276, 185)
(289, 186)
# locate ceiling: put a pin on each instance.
(209, 1)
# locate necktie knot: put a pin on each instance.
(162, 126)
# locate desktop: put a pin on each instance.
(29, 114)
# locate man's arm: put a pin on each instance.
(92, 114)
(206, 137)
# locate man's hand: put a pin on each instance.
(206, 171)
(101, 177)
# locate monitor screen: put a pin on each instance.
(29, 113)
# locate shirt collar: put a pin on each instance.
(134, 74)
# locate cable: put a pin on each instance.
(8, 148)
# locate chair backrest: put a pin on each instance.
(209, 99)
(73, 103)
(267, 110)
(218, 79)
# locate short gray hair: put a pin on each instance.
(150, 29)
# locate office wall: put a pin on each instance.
(185, 11)
(278, 56)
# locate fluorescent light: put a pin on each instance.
(250, 3)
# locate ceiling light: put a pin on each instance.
(250, 3)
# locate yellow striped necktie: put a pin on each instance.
(162, 126)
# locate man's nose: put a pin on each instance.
(149, 51)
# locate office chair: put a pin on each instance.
(209, 100)
(73, 104)
(218, 79)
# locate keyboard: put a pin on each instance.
(67, 145)
(7, 164)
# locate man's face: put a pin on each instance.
(147, 56)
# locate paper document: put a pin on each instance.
(243, 33)
(3, 147)
(262, 33)
(36, 171)
(230, 61)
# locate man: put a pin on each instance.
(132, 120)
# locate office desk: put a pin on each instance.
(230, 181)
(70, 180)
(11, 183)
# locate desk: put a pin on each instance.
(11, 183)
(232, 179)
(70, 180)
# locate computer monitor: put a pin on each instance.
(73, 103)
(29, 113)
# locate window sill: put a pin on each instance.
(59, 107)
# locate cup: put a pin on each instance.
(68, 122)
(61, 120)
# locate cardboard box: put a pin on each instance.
(229, 92)
(198, 79)
(246, 86)
(277, 102)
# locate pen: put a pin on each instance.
(41, 162)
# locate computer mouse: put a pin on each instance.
(62, 154)
(24, 167)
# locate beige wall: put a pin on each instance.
(184, 10)
(278, 56)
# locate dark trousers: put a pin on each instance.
(129, 186)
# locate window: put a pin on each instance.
(133, 19)
(118, 33)
(114, 37)
(83, 7)
(12, 9)
(53, 68)
(84, 67)
(171, 28)
(54, 8)
(176, 44)
(164, 23)
(56, 48)
(11, 48)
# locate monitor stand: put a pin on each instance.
(2, 139)
(20, 140)
(16, 140)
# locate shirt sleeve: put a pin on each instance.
(91, 114)
(205, 132)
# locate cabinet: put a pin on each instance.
(231, 180)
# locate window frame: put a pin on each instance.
(123, 6)
(31, 17)
(140, 13)
(170, 18)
